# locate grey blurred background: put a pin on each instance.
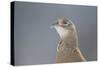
(36, 43)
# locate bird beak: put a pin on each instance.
(52, 26)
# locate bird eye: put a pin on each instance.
(64, 22)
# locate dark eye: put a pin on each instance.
(64, 22)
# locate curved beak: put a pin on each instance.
(52, 26)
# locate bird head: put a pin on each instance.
(63, 26)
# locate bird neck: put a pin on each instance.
(70, 40)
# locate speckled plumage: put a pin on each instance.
(67, 50)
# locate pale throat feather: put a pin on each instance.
(68, 36)
(61, 32)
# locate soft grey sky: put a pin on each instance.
(35, 42)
